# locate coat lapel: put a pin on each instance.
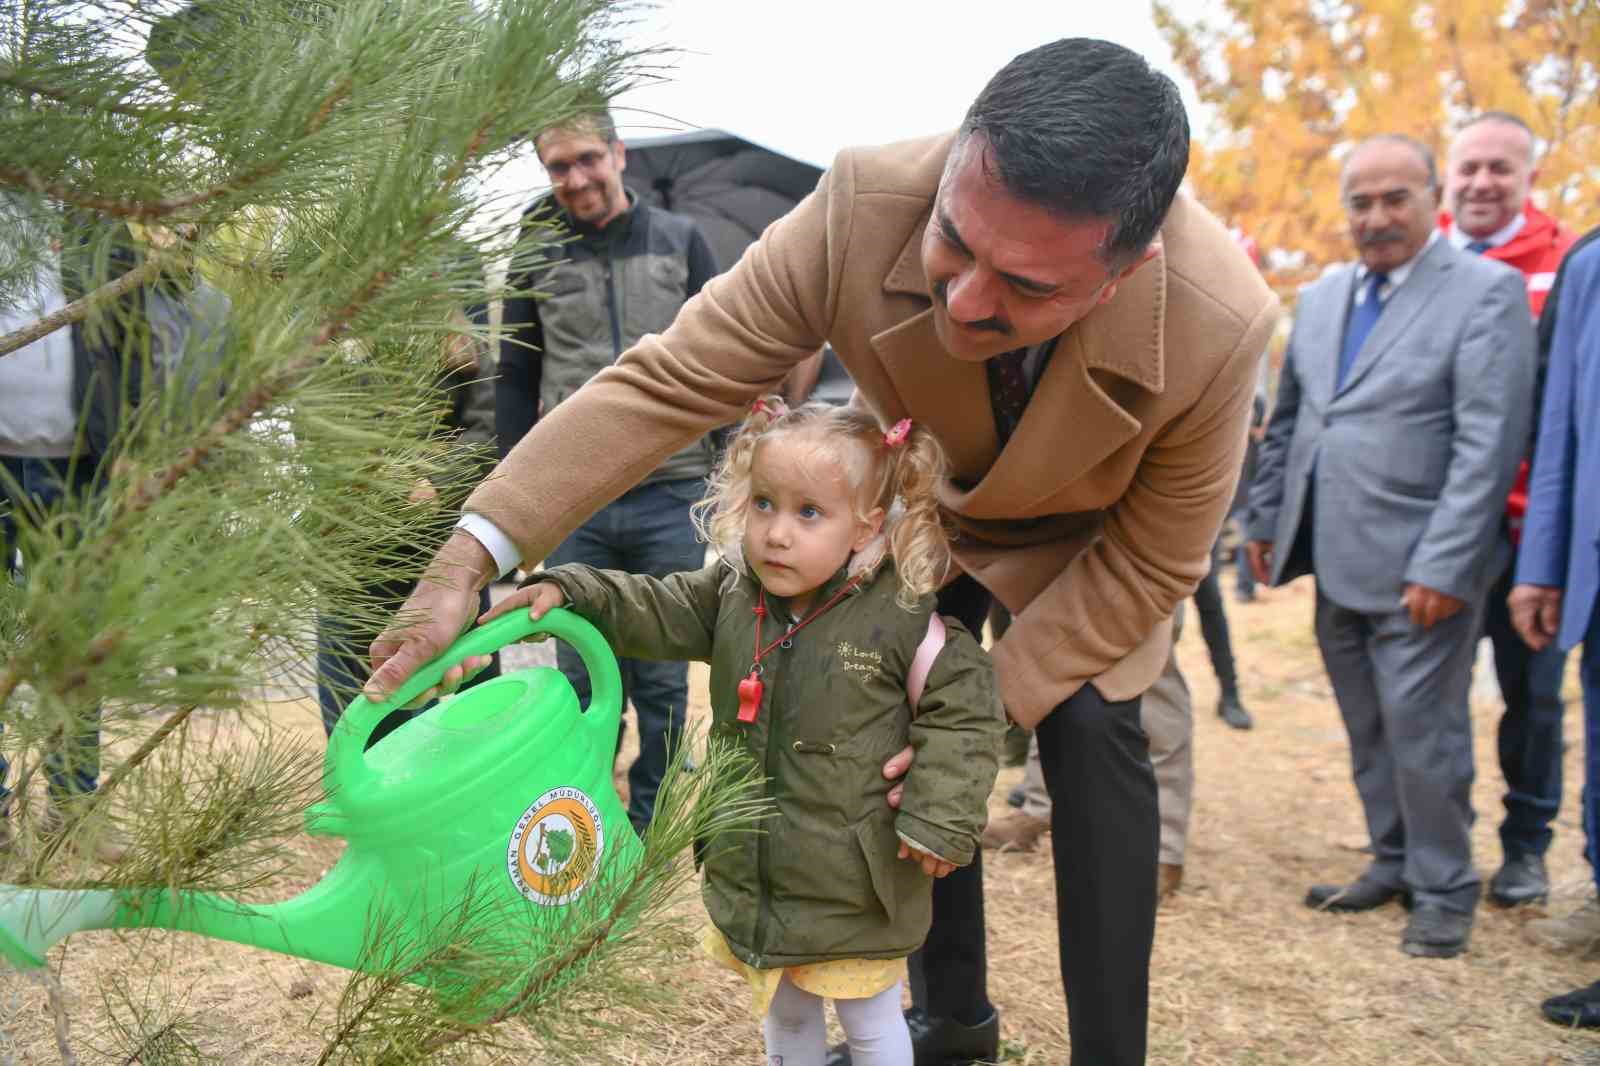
(942, 393)
(1407, 302)
(1324, 324)
(1071, 423)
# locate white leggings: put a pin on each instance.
(797, 1034)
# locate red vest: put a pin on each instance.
(1536, 250)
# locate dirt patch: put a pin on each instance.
(1243, 973)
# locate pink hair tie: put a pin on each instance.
(760, 408)
(897, 433)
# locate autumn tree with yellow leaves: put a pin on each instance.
(1292, 84)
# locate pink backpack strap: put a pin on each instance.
(922, 661)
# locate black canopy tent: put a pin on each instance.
(734, 189)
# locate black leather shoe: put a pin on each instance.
(941, 1041)
(1575, 1010)
(1436, 933)
(1230, 710)
(1359, 895)
(1522, 879)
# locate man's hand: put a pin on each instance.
(1429, 607)
(1535, 614)
(932, 865)
(1258, 553)
(894, 770)
(434, 615)
(422, 492)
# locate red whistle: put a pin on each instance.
(749, 698)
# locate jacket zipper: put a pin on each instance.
(764, 842)
(611, 307)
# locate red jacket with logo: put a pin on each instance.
(1537, 251)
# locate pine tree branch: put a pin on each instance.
(10, 678)
(58, 1014)
(161, 482)
(78, 309)
(164, 207)
(549, 969)
(149, 1043)
(100, 649)
(143, 752)
(385, 986)
(178, 116)
(129, 208)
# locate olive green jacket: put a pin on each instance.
(821, 880)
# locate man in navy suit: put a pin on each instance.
(1558, 570)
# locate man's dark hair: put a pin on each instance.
(1087, 129)
(1424, 153)
(1505, 118)
(596, 120)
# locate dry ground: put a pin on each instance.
(1243, 973)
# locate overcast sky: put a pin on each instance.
(808, 77)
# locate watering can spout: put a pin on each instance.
(32, 920)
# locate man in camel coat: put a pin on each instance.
(1083, 341)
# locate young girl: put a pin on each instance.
(831, 546)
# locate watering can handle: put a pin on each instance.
(349, 738)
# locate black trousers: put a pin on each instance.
(1214, 628)
(1530, 729)
(1105, 831)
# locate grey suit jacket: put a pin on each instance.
(1412, 458)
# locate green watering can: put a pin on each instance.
(501, 793)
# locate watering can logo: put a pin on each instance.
(429, 815)
(555, 849)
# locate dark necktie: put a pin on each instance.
(1364, 314)
(1477, 247)
(1008, 391)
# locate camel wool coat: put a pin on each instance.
(1090, 526)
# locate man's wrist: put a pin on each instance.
(465, 561)
(502, 550)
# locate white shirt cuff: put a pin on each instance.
(506, 556)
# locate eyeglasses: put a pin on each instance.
(588, 161)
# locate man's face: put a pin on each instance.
(1490, 173)
(585, 173)
(1389, 204)
(1004, 273)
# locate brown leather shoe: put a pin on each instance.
(1015, 832)
(1169, 878)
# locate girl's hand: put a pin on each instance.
(932, 865)
(538, 599)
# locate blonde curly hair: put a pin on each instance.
(901, 479)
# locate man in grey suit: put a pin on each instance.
(1402, 413)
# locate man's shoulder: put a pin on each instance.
(900, 168)
(1479, 272)
(672, 222)
(1583, 260)
(1205, 264)
(1332, 280)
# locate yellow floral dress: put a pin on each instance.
(838, 979)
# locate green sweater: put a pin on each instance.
(821, 880)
